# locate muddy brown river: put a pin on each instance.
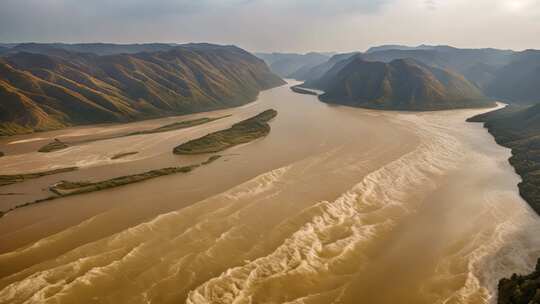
(335, 205)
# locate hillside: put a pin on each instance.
(287, 65)
(518, 128)
(402, 84)
(62, 88)
(518, 81)
(477, 65)
(314, 73)
(94, 48)
(387, 47)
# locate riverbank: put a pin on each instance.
(314, 211)
(67, 188)
(518, 128)
(19, 178)
(300, 90)
(240, 133)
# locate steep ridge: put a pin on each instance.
(316, 72)
(42, 92)
(474, 64)
(518, 128)
(289, 64)
(402, 84)
(518, 81)
(94, 48)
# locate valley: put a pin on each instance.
(318, 212)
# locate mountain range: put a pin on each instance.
(518, 128)
(48, 88)
(94, 48)
(500, 74)
(402, 84)
(290, 65)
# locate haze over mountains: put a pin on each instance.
(501, 74)
(290, 65)
(44, 87)
(402, 84)
(94, 48)
(54, 85)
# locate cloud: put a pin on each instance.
(430, 4)
(281, 25)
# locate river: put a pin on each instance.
(335, 205)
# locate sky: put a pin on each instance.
(277, 25)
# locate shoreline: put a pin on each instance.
(66, 188)
(517, 288)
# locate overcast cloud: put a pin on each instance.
(277, 25)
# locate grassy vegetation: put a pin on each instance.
(300, 90)
(120, 155)
(18, 178)
(105, 89)
(53, 146)
(518, 128)
(68, 188)
(165, 128)
(521, 289)
(179, 125)
(242, 132)
(65, 188)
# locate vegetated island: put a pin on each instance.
(178, 125)
(300, 90)
(55, 145)
(240, 133)
(59, 145)
(18, 178)
(67, 188)
(518, 128)
(122, 155)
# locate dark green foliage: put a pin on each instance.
(242, 132)
(179, 125)
(518, 128)
(520, 289)
(65, 188)
(68, 188)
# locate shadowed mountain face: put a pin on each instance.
(314, 73)
(94, 48)
(518, 81)
(477, 65)
(62, 88)
(292, 65)
(501, 74)
(518, 128)
(403, 84)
